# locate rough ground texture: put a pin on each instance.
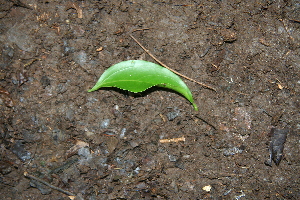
(106, 144)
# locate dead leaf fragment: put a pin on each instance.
(5, 98)
(74, 149)
(111, 143)
(76, 7)
(278, 138)
(279, 86)
(228, 35)
(99, 49)
(264, 42)
(3, 91)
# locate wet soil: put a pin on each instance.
(108, 144)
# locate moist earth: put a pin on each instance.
(60, 142)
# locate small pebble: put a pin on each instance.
(18, 149)
(172, 115)
(207, 188)
(105, 123)
(85, 152)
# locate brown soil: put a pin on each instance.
(106, 144)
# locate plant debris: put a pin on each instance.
(278, 138)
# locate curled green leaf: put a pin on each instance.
(138, 75)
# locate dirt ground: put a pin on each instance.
(108, 144)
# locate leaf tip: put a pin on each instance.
(93, 89)
(96, 87)
(195, 107)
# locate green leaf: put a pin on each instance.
(138, 76)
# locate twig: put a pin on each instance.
(162, 64)
(48, 184)
(181, 139)
(141, 29)
(294, 20)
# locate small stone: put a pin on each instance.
(105, 123)
(207, 188)
(45, 81)
(84, 152)
(172, 115)
(70, 115)
(172, 158)
(232, 151)
(134, 143)
(80, 58)
(18, 149)
(5, 167)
